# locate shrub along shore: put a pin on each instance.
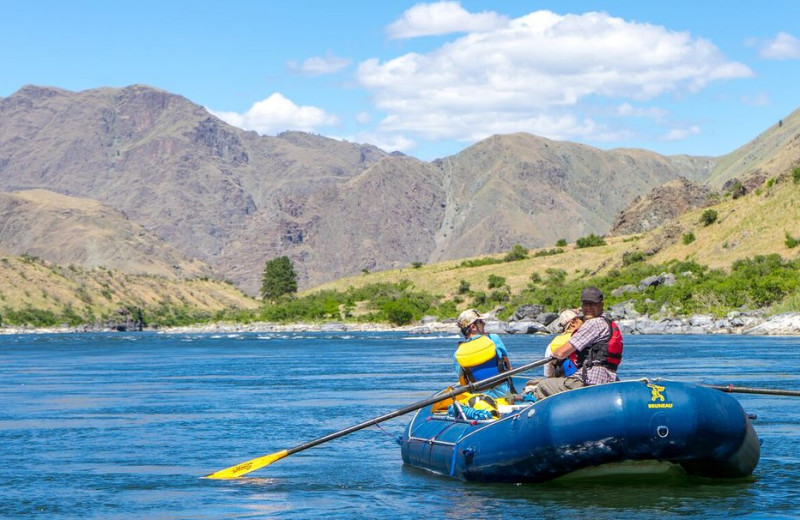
(676, 297)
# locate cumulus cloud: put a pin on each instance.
(628, 110)
(679, 134)
(384, 141)
(783, 47)
(276, 114)
(320, 65)
(442, 18)
(534, 73)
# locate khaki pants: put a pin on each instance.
(554, 385)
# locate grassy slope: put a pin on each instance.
(444, 278)
(100, 292)
(751, 225)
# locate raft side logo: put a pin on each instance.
(658, 398)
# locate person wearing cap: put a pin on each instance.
(568, 322)
(480, 355)
(597, 360)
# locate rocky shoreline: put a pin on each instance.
(779, 325)
(752, 323)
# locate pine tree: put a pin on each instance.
(279, 278)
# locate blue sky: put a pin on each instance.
(700, 77)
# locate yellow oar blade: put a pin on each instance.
(246, 467)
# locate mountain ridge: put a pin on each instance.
(233, 199)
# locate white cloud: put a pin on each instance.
(783, 47)
(529, 73)
(277, 114)
(679, 134)
(385, 141)
(319, 65)
(628, 110)
(363, 118)
(442, 18)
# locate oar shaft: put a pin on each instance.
(472, 387)
(260, 462)
(747, 390)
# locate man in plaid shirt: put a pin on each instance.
(595, 330)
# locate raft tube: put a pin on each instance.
(704, 431)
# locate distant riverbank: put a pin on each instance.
(787, 324)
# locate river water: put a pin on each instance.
(123, 425)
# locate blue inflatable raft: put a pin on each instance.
(701, 429)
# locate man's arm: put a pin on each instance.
(564, 351)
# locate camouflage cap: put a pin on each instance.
(468, 317)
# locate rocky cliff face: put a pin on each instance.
(660, 205)
(234, 199)
(533, 191)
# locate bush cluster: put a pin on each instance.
(548, 252)
(396, 303)
(631, 257)
(708, 217)
(753, 283)
(517, 253)
(477, 262)
(590, 240)
(30, 316)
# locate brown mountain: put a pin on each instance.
(234, 199)
(171, 167)
(533, 191)
(83, 232)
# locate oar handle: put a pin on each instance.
(747, 390)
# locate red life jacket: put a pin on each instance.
(607, 353)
